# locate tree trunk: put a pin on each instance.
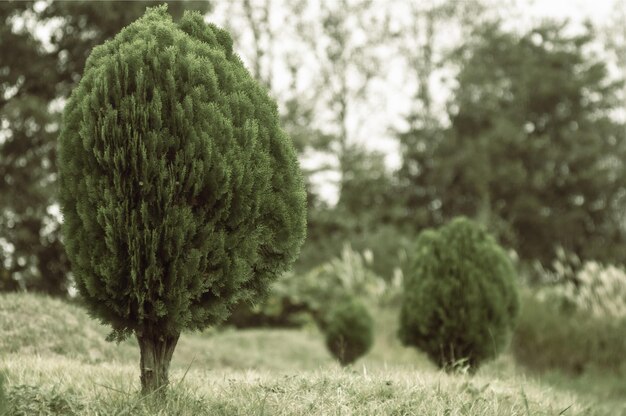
(156, 353)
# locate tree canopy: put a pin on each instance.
(532, 148)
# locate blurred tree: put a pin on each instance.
(349, 40)
(366, 185)
(345, 44)
(36, 75)
(259, 28)
(363, 215)
(424, 42)
(29, 235)
(250, 22)
(258, 18)
(532, 150)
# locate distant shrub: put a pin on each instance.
(460, 296)
(348, 329)
(554, 333)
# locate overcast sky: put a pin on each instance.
(597, 10)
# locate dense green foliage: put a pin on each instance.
(550, 336)
(180, 192)
(35, 74)
(460, 295)
(348, 330)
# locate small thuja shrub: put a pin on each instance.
(348, 330)
(460, 296)
(180, 192)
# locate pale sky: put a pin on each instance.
(597, 10)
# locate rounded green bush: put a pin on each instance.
(348, 329)
(460, 296)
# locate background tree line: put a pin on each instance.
(530, 139)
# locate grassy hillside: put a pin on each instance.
(38, 325)
(54, 360)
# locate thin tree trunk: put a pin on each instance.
(156, 354)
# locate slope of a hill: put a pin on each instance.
(55, 361)
(34, 325)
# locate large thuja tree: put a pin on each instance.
(180, 192)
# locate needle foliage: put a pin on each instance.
(180, 192)
(460, 298)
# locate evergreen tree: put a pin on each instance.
(180, 192)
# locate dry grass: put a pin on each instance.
(52, 371)
(79, 388)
